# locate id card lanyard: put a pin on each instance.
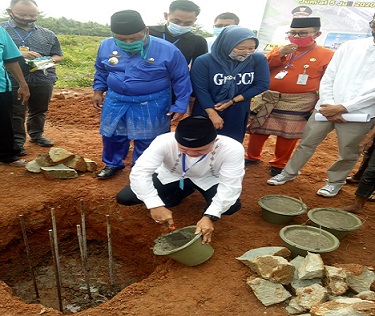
(175, 42)
(284, 72)
(23, 47)
(184, 169)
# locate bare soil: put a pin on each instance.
(158, 285)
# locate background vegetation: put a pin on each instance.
(80, 42)
(77, 68)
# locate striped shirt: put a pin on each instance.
(40, 40)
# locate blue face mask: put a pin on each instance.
(133, 47)
(177, 29)
(217, 30)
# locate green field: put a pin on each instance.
(77, 68)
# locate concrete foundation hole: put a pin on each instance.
(82, 276)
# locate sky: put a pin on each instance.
(249, 12)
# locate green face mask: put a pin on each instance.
(133, 47)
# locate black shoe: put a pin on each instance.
(42, 142)
(274, 171)
(352, 180)
(22, 152)
(107, 172)
(252, 162)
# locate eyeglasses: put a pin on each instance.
(300, 34)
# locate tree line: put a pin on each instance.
(66, 26)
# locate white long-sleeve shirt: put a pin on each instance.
(350, 77)
(224, 165)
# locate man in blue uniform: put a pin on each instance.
(137, 73)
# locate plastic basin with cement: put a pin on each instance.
(337, 222)
(300, 239)
(184, 246)
(280, 209)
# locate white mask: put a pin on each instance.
(239, 57)
(177, 29)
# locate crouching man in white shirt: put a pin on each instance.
(178, 163)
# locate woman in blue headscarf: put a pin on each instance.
(225, 80)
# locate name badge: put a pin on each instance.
(23, 49)
(181, 184)
(281, 74)
(302, 79)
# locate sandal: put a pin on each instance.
(18, 163)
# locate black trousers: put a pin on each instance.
(172, 195)
(8, 153)
(365, 161)
(366, 185)
(37, 107)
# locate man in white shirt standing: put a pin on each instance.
(346, 87)
(178, 163)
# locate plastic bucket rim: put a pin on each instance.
(315, 220)
(265, 207)
(166, 253)
(324, 232)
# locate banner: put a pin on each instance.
(340, 21)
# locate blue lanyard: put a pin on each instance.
(23, 39)
(298, 57)
(184, 169)
(175, 42)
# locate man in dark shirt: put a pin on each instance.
(180, 19)
(38, 44)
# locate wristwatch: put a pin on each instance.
(211, 217)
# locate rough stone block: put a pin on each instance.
(44, 160)
(310, 296)
(77, 163)
(60, 155)
(344, 307)
(335, 280)
(33, 166)
(274, 268)
(267, 292)
(311, 267)
(91, 165)
(59, 172)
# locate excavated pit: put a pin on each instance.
(132, 259)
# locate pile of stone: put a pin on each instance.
(308, 286)
(60, 163)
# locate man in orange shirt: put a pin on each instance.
(296, 70)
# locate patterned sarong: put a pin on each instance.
(281, 114)
(137, 117)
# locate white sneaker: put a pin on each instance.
(329, 190)
(280, 179)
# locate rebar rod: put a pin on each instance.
(56, 243)
(26, 242)
(110, 256)
(83, 225)
(84, 266)
(57, 273)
